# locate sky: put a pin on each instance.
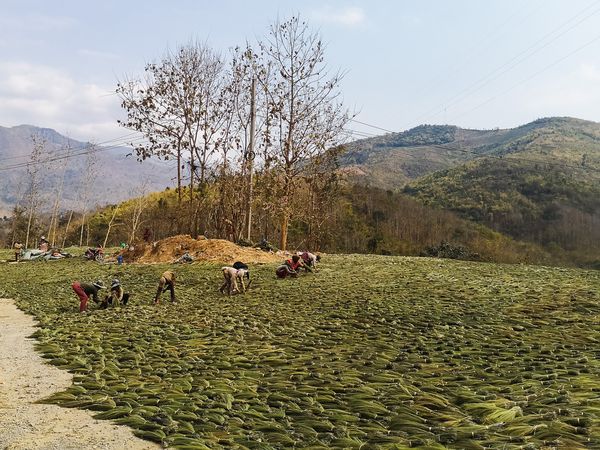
(471, 63)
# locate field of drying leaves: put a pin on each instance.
(370, 352)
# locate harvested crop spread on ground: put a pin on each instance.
(371, 352)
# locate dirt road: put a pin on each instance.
(24, 378)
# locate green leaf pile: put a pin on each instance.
(370, 352)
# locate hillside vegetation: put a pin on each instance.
(370, 352)
(356, 220)
(543, 188)
(539, 182)
(529, 194)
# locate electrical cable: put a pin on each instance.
(89, 149)
(511, 63)
(114, 140)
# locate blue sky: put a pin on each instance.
(471, 63)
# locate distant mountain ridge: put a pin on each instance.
(395, 159)
(539, 182)
(116, 175)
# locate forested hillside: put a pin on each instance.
(356, 220)
(529, 194)
(539, 182)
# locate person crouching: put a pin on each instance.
(167, 281)
(291, 267)
(310, 259)
(232, 276)
(85, 290)
(117, 295)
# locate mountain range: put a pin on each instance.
(539, 182)
(116, 174)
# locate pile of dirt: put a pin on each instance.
(170, 249)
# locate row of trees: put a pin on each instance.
(269, 117)
(357, 219)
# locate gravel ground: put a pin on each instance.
(24, 378)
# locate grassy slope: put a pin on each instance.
(542, 163)
(388, 351)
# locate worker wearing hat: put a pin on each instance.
(85, 290)
(115, 296)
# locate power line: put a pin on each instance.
(89, 149)
(475, 50)
(372, 126)
(549, 66)
(67, 150)
(511, 63)
(359, 134)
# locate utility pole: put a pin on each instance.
(250, 158)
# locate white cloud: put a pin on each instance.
(49, 97)
(350, 16)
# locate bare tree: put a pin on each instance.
(113, 215)
(32, 194)
(250, 129)
(150, 112)
(53, 227)
(140, 203)
(89, 178)
(66, 231)
(303, 104)
(18, 211)
(178, 106)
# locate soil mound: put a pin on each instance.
(172, 248)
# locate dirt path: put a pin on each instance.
(24, 378)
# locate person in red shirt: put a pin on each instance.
(291, 267)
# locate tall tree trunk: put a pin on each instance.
(82, 228)
(250, 160)
(67, 229)
(29, 220)
(179, 172)
(110, 224)
(285, 221)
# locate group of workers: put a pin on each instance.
(44, 251)
(301, 260)
(117, 295)
(234, 277)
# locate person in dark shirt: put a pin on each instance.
(85, 290)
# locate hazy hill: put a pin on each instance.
(539, 182)
(116, 176)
